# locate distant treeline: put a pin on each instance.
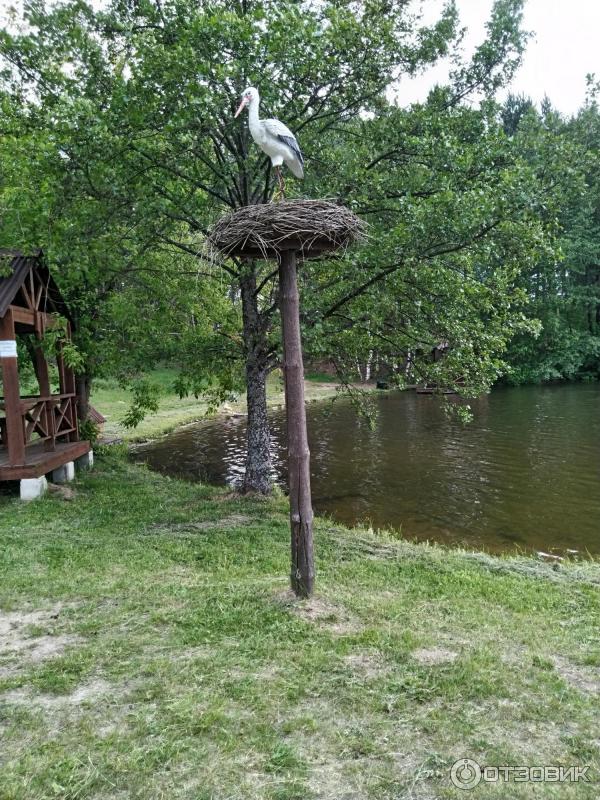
(563, 288)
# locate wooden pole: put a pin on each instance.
(301, 513)
(12, 401)
(41, 370)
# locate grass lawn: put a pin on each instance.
(149, 649)
(113, 401)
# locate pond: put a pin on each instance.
(524, 474)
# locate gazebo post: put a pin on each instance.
(12, 399)
(301, 514)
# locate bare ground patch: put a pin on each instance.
(321, 612)
(366, 665)
(63, 492)
(349, 754)
(585, 679)
(19, 644)
(86, 693)
(429, 656)
(105, 705)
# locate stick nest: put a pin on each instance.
(309, 227)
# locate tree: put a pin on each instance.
(131, 302)
(513, 111)
(453, 220)
(563, 286)
(155, 86)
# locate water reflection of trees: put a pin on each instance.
(526, 471)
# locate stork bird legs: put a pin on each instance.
(280, 193)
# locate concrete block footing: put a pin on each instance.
(65, 473)
(86, 461)
(32, 488)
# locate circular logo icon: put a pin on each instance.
(465, 773)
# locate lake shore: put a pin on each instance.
(175, 412)
(151, 648)
(521, 476)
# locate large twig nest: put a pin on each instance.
(309, 227)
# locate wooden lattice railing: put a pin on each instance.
(45, 419)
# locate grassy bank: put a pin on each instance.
(112, 400)
(149, 649)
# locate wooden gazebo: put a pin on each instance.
(38, 433)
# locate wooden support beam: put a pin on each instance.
(71, 386)
(41, 370)
(67, 381)
(15, 435)
(23, 315)
(301, 514)
(38, 320)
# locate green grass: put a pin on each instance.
(149, 649)
(113, 401)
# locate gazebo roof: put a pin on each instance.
(14, 269)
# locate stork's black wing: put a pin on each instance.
(284, 134)
(293, 145)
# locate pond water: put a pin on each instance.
(524, 474)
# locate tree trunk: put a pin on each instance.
(257, 477)
(301, 514)
(368, 367)
(83, 388)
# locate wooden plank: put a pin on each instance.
(12, 402)
(38, 296)
(40, 366)
(63, 383)
(71, 387)
(30, 402)
(37, 319)
(32, 288)
(67, 388)
(25, 291)
(23, 315)
(41, 370)
(32, 421)
(39, 462)
(70, 383)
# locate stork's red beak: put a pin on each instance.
(242, 104)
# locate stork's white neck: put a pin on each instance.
(253, 119)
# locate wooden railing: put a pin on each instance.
(45, 419)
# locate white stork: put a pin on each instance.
(273, 137)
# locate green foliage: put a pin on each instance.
(453, 220)
(55, 338)
(459, 411)
(144, 399)
(122, 149)
(89, 431)
(563, 290)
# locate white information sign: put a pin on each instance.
(8, 348)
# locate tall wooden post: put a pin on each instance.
(279, 231)
(301, 513)
(12, 400)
